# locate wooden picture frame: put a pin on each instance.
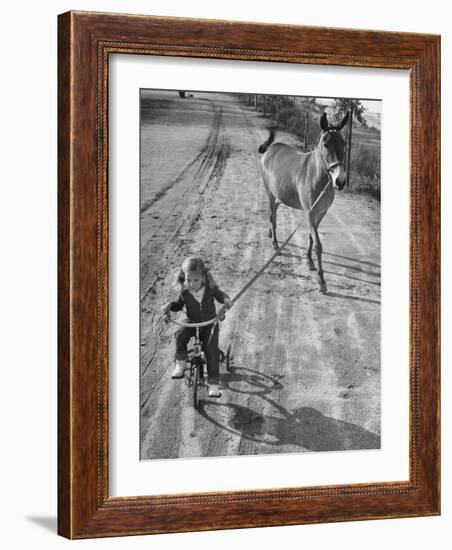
(85, 42)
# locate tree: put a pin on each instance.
(342, 105)
(356, 109)
(310, 105)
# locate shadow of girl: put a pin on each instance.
(305, 428)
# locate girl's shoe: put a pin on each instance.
(214, 390)
(179, 370)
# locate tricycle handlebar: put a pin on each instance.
(192, 325)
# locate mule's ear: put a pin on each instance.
(324, 122)
(344, 122)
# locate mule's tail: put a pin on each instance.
(267, 142)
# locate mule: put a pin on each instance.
(297, 179)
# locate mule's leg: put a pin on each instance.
(318, 250)
(309, 261)
(273, 207)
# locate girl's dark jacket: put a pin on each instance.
(199, 312)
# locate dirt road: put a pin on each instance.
(306, 365)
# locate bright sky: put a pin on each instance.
(372, 106)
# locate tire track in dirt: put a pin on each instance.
(277, 429)
(199, 179)
(202, 236)
(206, 173)
(242, 411)
(170, 238)
(216, 413)
(356, 337)
(231, 412)
(265, 322)
(198, 162)
(351, 341)
(262, 427)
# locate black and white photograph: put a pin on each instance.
(259, 274)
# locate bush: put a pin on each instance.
(363, 185)
(365, 170)
(365, 161)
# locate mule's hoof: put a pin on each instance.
(276, 246)
(310, 265)
(322, 288)
(270, 233)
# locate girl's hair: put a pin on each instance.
(194, 264)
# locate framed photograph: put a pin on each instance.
(249, 261)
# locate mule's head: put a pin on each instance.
(332, 147)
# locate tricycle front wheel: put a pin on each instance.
(196, 386)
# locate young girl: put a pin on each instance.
(198, 290)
